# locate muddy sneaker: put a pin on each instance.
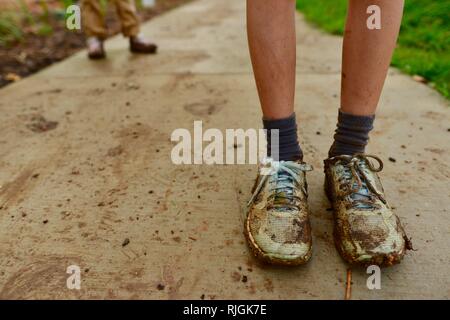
(366, 231)
(277, 225)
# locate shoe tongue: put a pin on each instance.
(363, 194)
(284, 197)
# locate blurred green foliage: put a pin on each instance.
(10, 30)
(13, 21)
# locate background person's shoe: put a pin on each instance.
(366, 231)
(277, 227)
(138, 44)
(95, 48)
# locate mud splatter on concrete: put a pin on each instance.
(236, 276)
(116, 151)
(39, 123)
(125, 242)
(204, 108)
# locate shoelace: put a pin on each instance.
(283, 178)
(363, 191)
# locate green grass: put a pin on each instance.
(424, 42)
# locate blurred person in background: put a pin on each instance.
(95, 28)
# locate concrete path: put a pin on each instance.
(97, 189)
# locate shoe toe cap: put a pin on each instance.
(373, 246)
(282, 250)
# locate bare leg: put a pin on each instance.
(367, 54)
(271, 36)
(366, 58)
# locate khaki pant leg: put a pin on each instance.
(93, 19)
(126, 9)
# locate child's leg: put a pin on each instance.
(365, 61)
(271, 37)
(92, 17)
(129, 20)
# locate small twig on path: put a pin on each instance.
(348, 287)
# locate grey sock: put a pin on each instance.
(289, 148)
(352, 134)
